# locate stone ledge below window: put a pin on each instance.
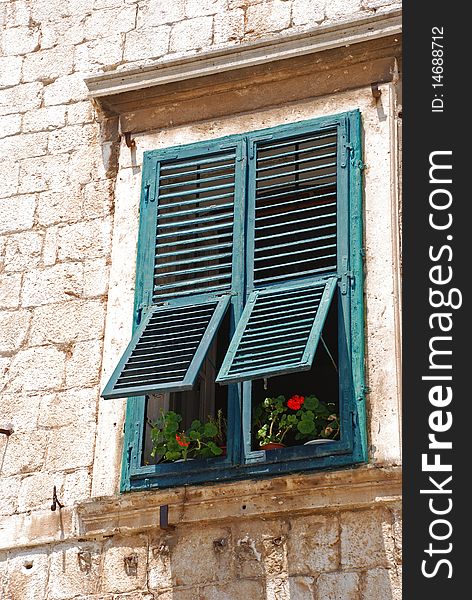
(135, 512)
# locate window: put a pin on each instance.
(248, 286)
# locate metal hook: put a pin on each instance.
(376, 93)
(55, 500)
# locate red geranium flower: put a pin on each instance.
(181, 443)
(295, 402)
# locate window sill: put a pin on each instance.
(131, 513)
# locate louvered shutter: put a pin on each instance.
(294, 190)
(189, 231)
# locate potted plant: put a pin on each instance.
(300, 417)
(170, 443)
(222, 426)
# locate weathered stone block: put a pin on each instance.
(267, 17)
(71, 137)
(24, 146)
(366, 538)
(152, 13)
(20, 98)
(74, 568)
(252, 539)
(102, 22)
(124, 564)
(308, 12)
(17, 213)
(91, 239)
(14, 327)
(9, 495)
(24, 452)
(199, 8)
(44, 119)
(313, 544)
(73, 321)
(338, 9)
(191, 34)
(79, 113)
(20, 40)
(53, 284)
(23, 251)
(21, 410)
(77, 486)
(229, 26)
(381, 583)
(36, 369)
(9, 125)
(64, 31)
(104, 51)
(96, 276)
(50, 247)
(379, 3)
(301, 588)
(48, 64)
(70, 447)
(97, 199)
(46, 172)
(69, 88)
(10, 71)
(68, 408)
(10, 288)
(192, 559)
(338, 586)
(27, 574)
(9, 174)
(83, 366)
(36, 490)
(17, 13)
(52, 207)
(244, 588)
(152, 42)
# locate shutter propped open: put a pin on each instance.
(279, 331)
(168, 348)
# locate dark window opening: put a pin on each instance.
(322, 381)
(206, 402)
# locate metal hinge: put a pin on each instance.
(346, 275)
(348, 147)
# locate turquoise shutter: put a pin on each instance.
(189, 248)
(278, 332)
(167, 350)
(293, 251)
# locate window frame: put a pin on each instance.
(241, 462)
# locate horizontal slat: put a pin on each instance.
(291, 223)
(296, 262)
(293, 252)
(201, 269)
(163, 224)
(195, 182)
(164, 350)
(180, 284)
(297, 172)
(186, 261)
(194, 201)
(298, 231)
(205, 160)
(195, 249)
(177, 294)
(292, 192)
(293, 152)
(197, 171)
(212, 188)
(196, 240)
(190, 231)
(195, 211)
(307, 179)
(298, 211)
(301, 140)
(294, 243)
(297, 201)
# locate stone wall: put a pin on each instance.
(58, 211)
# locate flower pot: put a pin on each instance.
(272, 446)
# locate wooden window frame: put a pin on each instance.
(241, 462)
